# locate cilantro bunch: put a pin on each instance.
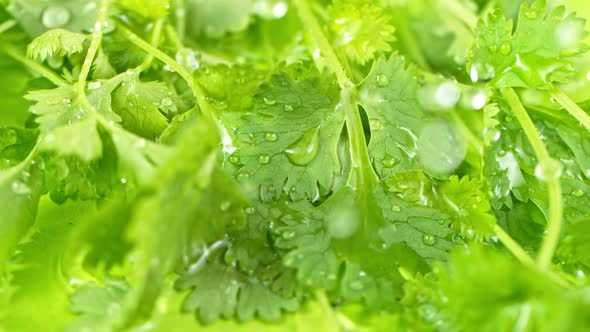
(294, 165)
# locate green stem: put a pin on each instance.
(513, 246)
(34, 66)
(326, 49)
(7, 25)
(570, 106)
(198, 92)
(155, 41)
(410, 43)
(553, 185)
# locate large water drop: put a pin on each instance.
(303, 151)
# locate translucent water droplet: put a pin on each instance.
(271, 9)
(272, 189)
(492, 135)
(242, 177)
(234, 159)
(270, 136)
(531, 14)
(578, 193)
(166, 102)
(20, 188)
(396, 208)
(479, 100)
(382, 80)
(456, 238)
(288, 108)
(263, 159)
(356, 285)
(390, 162)
(66, 101)
(123, 180)
(376, 124)
(269, 101)
(493, 48)
(427, 312)
(343, 222)
(288, 235)
(447, 95)
(224, 206)
(94, 85)
(249, 210)
(428, 239)
(55, 17)
(187, 58)
(548, 170)
(440, 149)
(55, 61)
(505, 48)
(470, 233)
(303, 151)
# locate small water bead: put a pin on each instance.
(428, 239)
(390, 162)
(531, 14)
(396, 208)
(493, 48)
(269, 101)
(382, 80)
(356, 285)
(20, 188)
(263, 159)
(234, 159)
(94, 85)
(55, 61)
(66, 101)
(249, 210)
(492, 135)
(505, 48)
(55, 17)
(548, 170)
(288, 108)
(304, 150)
(242, 177)
(270, 136)
(288, 235)
(578, 193)
(187, 58)
(272, 189)
(440, 149)
(166, 102)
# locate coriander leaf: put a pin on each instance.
(56, 42)
(361, 29)
(287, 142)
(538, 52)
(152, 9)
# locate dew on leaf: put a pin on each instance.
(343, 222)
(390, 162)
(166, 102)
(579, 193)
(288, 235)
(249, 210)
(234, 159)
(505, 48)
(440, 148)
(396, 208)
(270, 136)
(242, 177)
(288, 108)
(376, 124)
(55, 17)
(428, 239)
(66, 101)
(20, 188)
(272, 189)
(531, 14)
(356, 285)
(224, 206)
(263, 159)
(304, 150)
(94, 85)
(493, 48)
(382, 80)
(187, 58)
(269, 101)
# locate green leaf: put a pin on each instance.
(152, 9)
(56, 42)
(215, 18)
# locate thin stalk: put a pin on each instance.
(34, 66)
(326, 49)
(570, 106)
(409, 41)
(328, 310)
(180, 15)
(513, 247)
(198, 92)
(155, 41)
(553, 185)
(7, 25)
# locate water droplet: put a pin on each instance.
(303, 151)
(492, 135)
(269, 101)
(479, 100)
(493, 48)
(123, 180)
(396, 208)
(94, 85)
(66, 101)
(288, 235)
(272, 189)
(249, 210)
(20, 188)
(549, 169)
(263, 159)
(224, 206)
(376, 124)
(456, 238)
(428, 239)
(55, 17)
(288, 108)
(427, 312)
(55, 61)
(382, 80)
(166, 102)
(356, 285)
(242, 177)
(390, 162)
(234, 159)
(470, 233)
(446, 95)
(578, 193)
(505, 48)
(440, 148)
(270, 136)
(187, 58)
(531, 14)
